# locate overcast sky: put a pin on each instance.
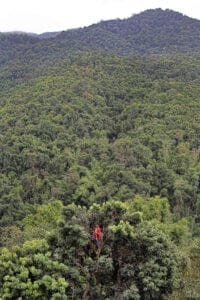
(54, 15)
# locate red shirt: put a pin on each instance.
(97, 233)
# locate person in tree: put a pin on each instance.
(96, 235)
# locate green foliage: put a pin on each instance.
(28, 272)
(100, 127)
(11, 236)
(43, 221)
(110, 128)
(116, 140)
(157, 210)
(152, 208)
(190, 272)
(138, 258)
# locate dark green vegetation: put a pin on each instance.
(91, 138)
(151, 32)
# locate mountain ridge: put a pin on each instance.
(50, 34)
(152, 32)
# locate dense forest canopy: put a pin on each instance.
(104, 137)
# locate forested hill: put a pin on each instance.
(91, 137)
(117, 142)
(150, 32)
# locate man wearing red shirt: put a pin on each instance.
(97, 233)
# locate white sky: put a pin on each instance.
(54, 15)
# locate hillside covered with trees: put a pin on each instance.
(148, 33)
(106, 137)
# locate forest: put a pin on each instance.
(96, 136)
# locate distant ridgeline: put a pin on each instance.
(150, 32)
(101, 125)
